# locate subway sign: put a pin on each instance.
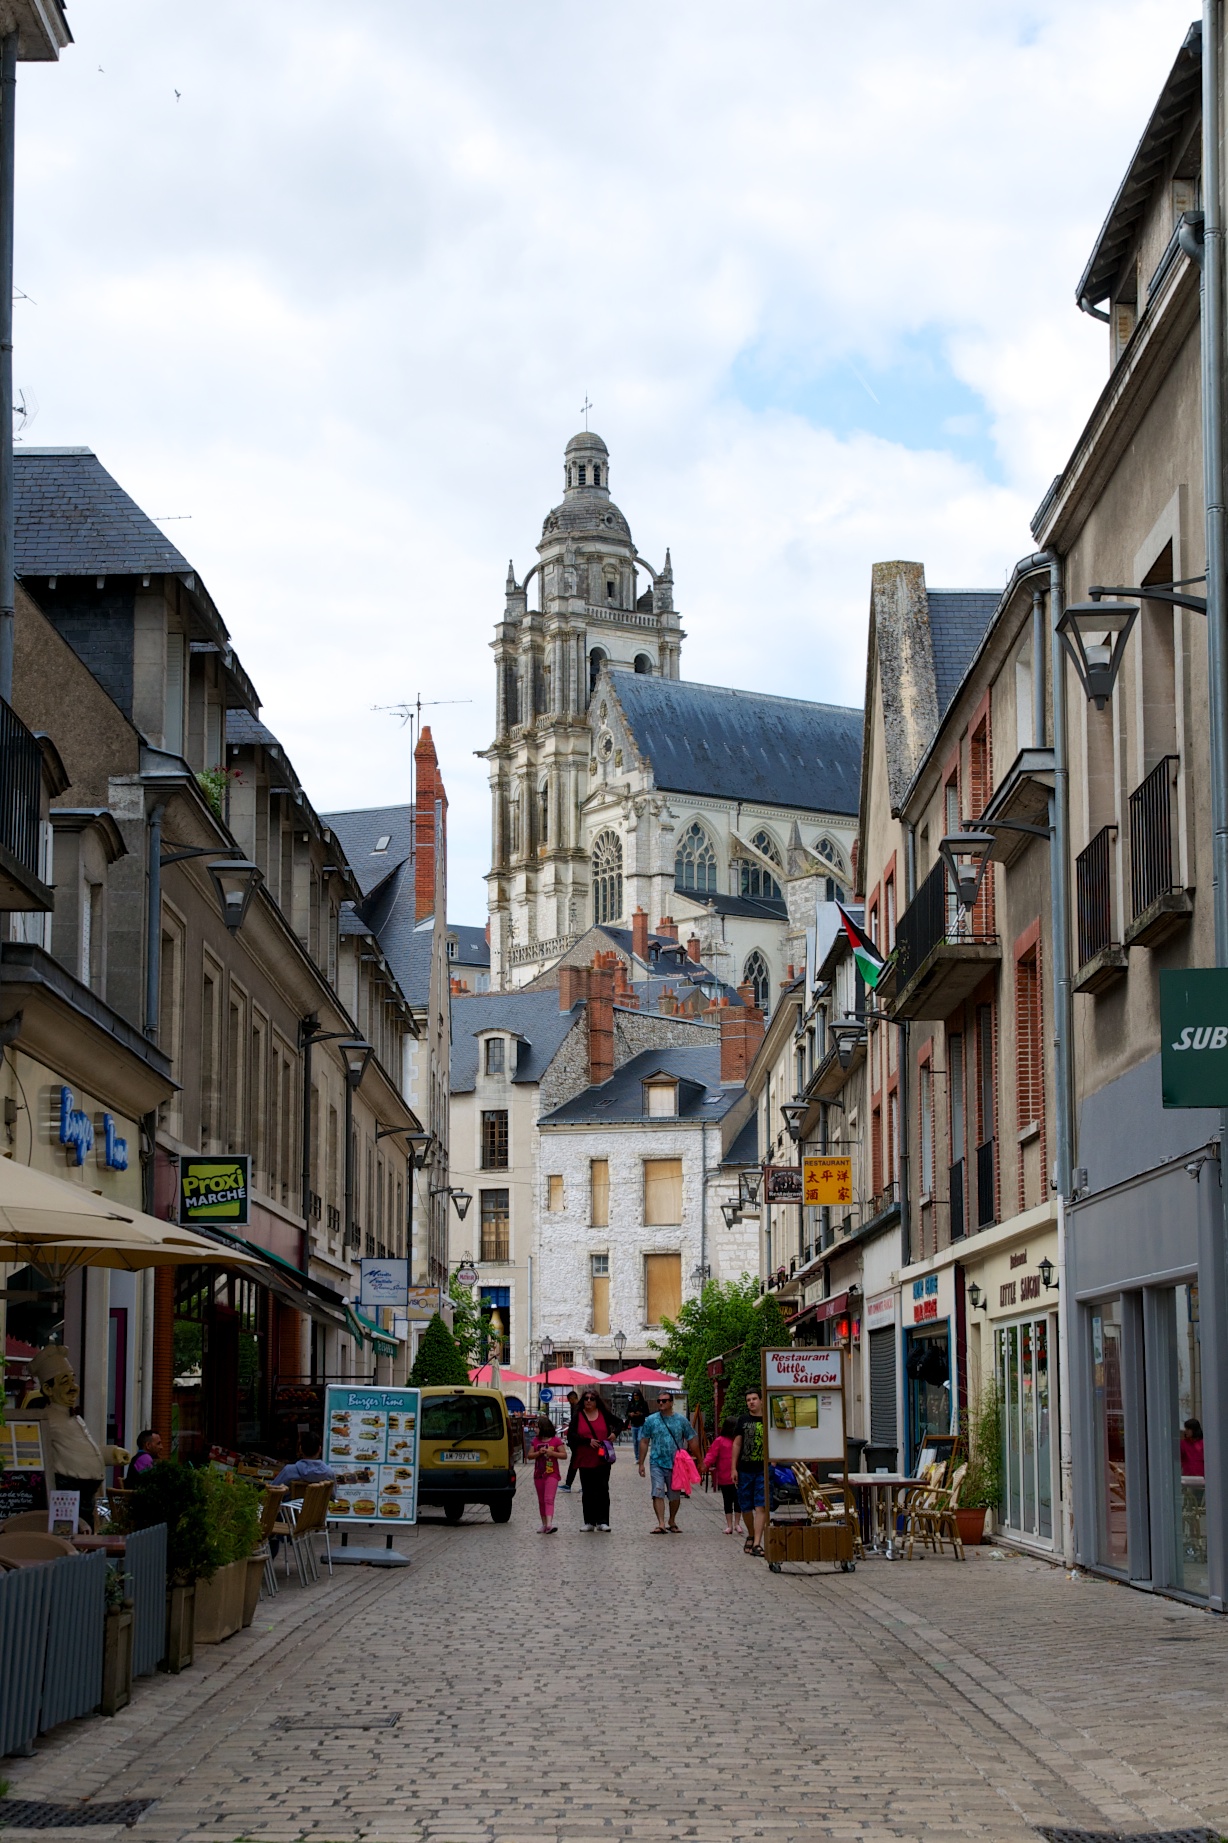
(215, 1190)
(1194, 1037)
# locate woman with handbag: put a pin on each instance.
(593, 1432)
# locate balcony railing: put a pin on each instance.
(986, 1210)
(21, 772)
(940, 949)
(955, 1191)
(1094, 895)
(1151, 837)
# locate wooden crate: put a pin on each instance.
(810, 1542)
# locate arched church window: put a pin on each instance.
(695, 861)
(754, 879)
(610, 588)
(756, 973)
(828, 852)
(643, 665)
(543, 816)
(607, 877)
(596, 660)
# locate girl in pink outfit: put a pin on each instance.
(719, 1460)
(548, 1449)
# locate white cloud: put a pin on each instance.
(341, 303)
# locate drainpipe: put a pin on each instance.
(1038, 667)
(905, 1051)
(1213, 1297)
(153, 919)
(307, 1036)
(8, 100)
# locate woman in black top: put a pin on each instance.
(593, 1426)
(637, 1414)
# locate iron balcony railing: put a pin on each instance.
(1151, 836)
(985, 1199)
(934, 919)
(955, 1191)
(496, 1248)
(21, 772)
(1094, 894)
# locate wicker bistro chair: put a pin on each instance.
(829, 1503)
(918, 1497)
(27, 1547)
(934, 1519)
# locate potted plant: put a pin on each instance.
(232, 1506)
(117, 1644)
(981, 1489)
(173, 1494)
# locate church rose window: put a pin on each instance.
(755, 880)
(695, 863)
(607, 878)
(755, 973)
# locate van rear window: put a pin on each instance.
(462, 1417)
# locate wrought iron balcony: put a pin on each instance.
(21, 790)
(1102, 958)
(942, 952)
(986, 1198)
(955, 1192)
(1158, 905)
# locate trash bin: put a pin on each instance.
(853, 1449)
(880, 1458)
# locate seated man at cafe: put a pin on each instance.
(306, 1470)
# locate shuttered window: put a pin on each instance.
(600, 1178)
(601, 1294)
(662, 1194)
(1029, 1066)
(882, 1386)
(554, 1192)
(662, 1286)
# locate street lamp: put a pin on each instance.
(547, 1353)
(1046, 1274)
(977, 1299)
(750, 1183)
(1094, 635)
(731, 1213)
(620, 1343)
(793, 1113)
(235, 881)
(846, 1037)
(966, 856)
(461, 1199)
(356, 1053)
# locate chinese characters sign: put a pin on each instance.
(827, 1181)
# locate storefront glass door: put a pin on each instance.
(1108, 1408)
(927, 1367)
(1191, 1494)
(1023, 1383)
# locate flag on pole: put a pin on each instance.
(870, 962)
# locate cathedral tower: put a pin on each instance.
(590, 612)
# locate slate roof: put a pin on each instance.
(765, 908)
(743, 745)
(74, 519)
(958, 622)
(535, 1016)
(745, 1148)
(472, 947)
(620, 1101)
(360, 831)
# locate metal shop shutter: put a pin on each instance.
(882, 1387)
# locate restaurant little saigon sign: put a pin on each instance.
(215, 1190)
(827, 1181)
(1194, 1037)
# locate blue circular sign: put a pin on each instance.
(545, 1395)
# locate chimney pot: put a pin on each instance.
(692, 948)
(742, 1031)
(747, 993)
(668, 927)
(639, 935)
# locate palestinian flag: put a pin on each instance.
(870, 962)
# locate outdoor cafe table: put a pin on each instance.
(877, 1508)
(114, 1544)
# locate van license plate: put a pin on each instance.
(460, 1458)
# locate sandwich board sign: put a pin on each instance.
(1194, 1037)
(803, 1405)
(371, 1447)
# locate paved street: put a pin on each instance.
(576, 1688)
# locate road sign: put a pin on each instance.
(827, 1181)
(1194, 1037)
(545, 1394)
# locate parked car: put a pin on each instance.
(464, 1452)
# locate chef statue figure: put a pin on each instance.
(74, 1458)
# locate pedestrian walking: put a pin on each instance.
(595, 1427)
(748, 1463)
(719, 1461)
(663, 1436)
(549, 1449)
(637, 1414)
(573, 1402)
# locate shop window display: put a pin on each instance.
(1110, 1428)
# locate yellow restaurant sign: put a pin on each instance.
(827, 1181)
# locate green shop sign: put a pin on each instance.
(1194, 1037)
(214, 1190)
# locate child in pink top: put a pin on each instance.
(719, 1461)
(548, 1448)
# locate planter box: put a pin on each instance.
(180, 1628)
(255, 1580)
(971, 1527)
(219, 1604)
(117, 1661)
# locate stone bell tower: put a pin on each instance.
(590, 612)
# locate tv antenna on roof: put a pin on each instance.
(412, 714)
(586, 406)
(26, 407)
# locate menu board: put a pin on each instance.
(21, 1446)
(371, 1445)
(805, 1405)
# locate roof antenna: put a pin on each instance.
(412, 714)
(26, 407)
(586, 406)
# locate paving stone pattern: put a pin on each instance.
(589, 1688)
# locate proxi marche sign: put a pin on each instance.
(1194, 1037)
(215, 1190)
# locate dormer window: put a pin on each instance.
(382, 843)
(494, 1055)
(452, 946)
(661, 1100)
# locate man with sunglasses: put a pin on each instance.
(662, 1437)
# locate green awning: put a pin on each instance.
(381, 1341)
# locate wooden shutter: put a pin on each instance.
(662, 1283)
(601, 1305)
(600, 1177)
(554, 1192)
(662, 1194)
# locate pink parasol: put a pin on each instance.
(481, 1377)
(653, 1378)
(570, 1378)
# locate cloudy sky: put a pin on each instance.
(331, 312)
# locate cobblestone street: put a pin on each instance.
(576, 1688)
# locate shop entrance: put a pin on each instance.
(220, 1383)
(1109, 1417)
(927, 1365)
(1023, 1362)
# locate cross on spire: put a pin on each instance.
(586, 406)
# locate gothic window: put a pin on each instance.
(755, 880)
(607, 877)
(828, 851)
(695, 862)
(755, 973)
(643, 665)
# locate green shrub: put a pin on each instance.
(718, 1320)
(981, 1439)
(232, 1505)
(439, 1363)
(174, 1494)
(767, 1331)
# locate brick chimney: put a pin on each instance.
(742, 1031)
(692, 948)
(639, 935)
(573, 986)
(430, 830)
(668, 927)
(747, 993)
(600, 1022)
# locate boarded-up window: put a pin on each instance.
(662, 1099)
(554, 1191)
(600, 1176)
(662, 1194)
(662, 1286)
(601, 1294)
